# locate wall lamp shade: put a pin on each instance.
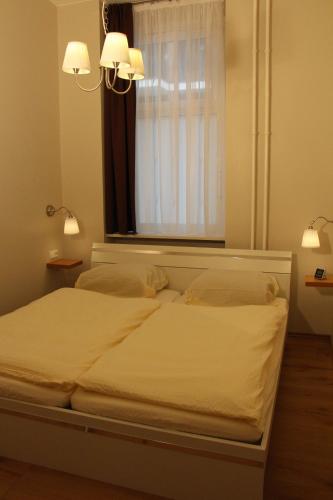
(76, 60)
(115, 53)
(136, 69)
(310, 238)
(71, 224)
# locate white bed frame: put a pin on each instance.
(160, 461)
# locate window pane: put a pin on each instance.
(180, 112)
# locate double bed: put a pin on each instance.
(178, 400)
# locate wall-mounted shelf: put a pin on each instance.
(63, 263)
(311, 281)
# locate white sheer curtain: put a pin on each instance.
(180, 118)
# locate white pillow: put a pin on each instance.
(124, 280)
(216, 287)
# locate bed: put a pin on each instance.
(160, 455)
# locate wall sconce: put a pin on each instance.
(310, 236)
(71, 225)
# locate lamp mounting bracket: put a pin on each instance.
(320, 217)
(50, 210)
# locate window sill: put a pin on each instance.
(152, 239)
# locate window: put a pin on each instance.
(179, 119)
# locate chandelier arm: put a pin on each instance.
(93, 88)
(110, 85)
(119, 92)
(107, 78)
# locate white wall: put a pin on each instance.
(81, 130)
(301, 146)
(301, 174)
(29, 150)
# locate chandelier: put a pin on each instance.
(126, 63)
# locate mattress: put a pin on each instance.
(181, 419)
(32, 393)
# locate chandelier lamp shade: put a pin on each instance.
(125, 62)
(76, 60)
(310, 236)
(136, 69)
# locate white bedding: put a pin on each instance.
(167, 295)
(209, 361)
(182, 420)
(55, 339)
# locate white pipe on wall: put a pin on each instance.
(254, 124)
(267, 122)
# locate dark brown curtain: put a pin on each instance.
(119, 139)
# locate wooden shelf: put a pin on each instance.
(311, 281)
(63, 263)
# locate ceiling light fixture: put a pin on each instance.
(126, 63)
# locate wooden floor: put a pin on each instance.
(300, 465)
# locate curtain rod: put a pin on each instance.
(138, 2)
(109, 2)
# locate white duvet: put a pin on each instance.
(208, 360)
(55, 339)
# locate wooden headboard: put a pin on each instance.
(183, 264)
